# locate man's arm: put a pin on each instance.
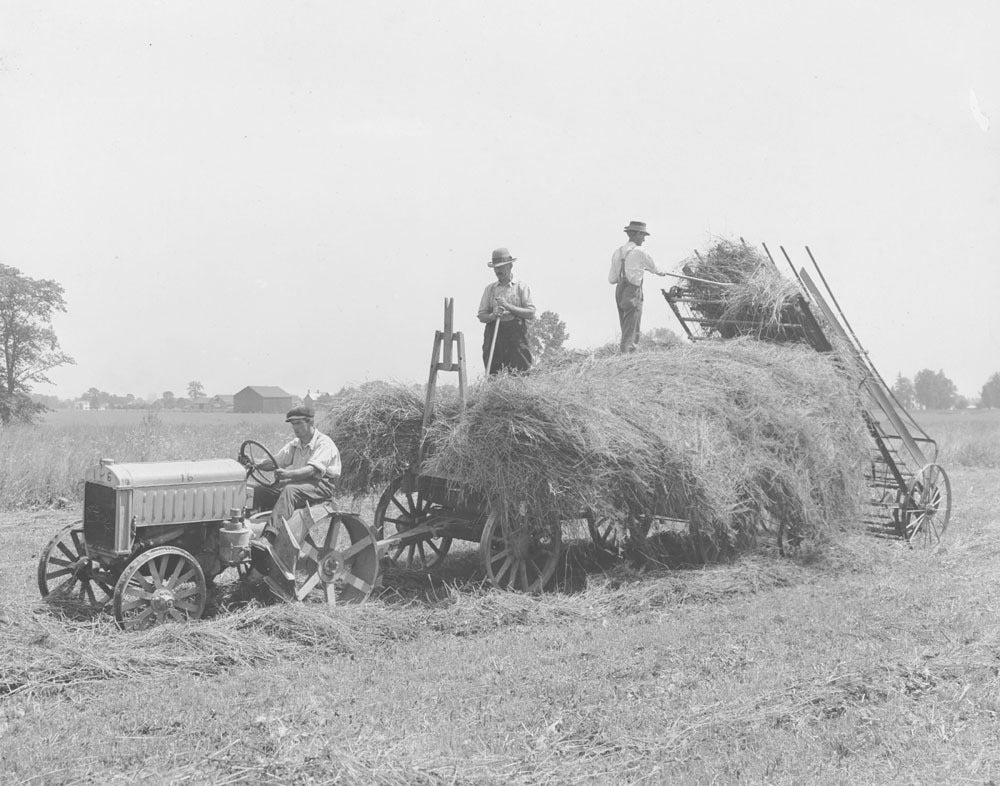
(281, 459)
(616, 268)
(486, 305)
(648, 264)
(297, 475)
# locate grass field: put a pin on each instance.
(867, 663)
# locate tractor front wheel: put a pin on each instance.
(67, 575)
(164, 584)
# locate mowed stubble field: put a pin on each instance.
(867, 662)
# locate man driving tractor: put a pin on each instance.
(305, 470)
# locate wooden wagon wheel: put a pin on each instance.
(926, 508)
(524, 559)
(66, 572)
(399, 510)
(165, 584)
(789, 539)
(607, 531)
(338, 556)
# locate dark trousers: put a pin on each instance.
(283, 501)
(628, 297)
(511, 352)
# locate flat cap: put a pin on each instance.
(300, 413)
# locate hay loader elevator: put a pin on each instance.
(910, 492)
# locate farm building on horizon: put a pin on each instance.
(262, 398)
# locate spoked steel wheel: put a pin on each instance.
(525, 558)
(66, 573)
(926, 508)
(337, 556)
(165, 584)
(400, 509)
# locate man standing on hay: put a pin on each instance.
(628, 264)
(506, 308)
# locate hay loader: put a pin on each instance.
(155, 535)
(910, 491)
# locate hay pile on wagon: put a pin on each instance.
(725, 436)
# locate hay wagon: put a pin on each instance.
(910, 490)
(420, 514)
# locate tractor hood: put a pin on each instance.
(166, 473)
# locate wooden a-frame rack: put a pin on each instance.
(448, 355)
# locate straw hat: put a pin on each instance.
(637, 226)
(501, 256)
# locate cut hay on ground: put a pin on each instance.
(728, 437)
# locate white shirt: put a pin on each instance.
(636, 261)
(514, 292)
(319, 452)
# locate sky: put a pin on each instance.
(260, 193)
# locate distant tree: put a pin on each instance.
(196, 390)
(960, 402)
(49, 402)
(933, 390)
(29, 346)
(903, 390)
(546, 335)
(168, 399)
(989, 396)
(661, 337)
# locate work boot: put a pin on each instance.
(265, 558)
(281, 588)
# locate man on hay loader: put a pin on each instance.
(628, 264)
(305, 471)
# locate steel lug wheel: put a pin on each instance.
(337, 555)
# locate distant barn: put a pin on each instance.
(262, 398)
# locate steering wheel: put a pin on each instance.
(251, 458)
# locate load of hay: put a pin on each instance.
(724, 436)
(750, 299)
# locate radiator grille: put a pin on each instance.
(99, 517)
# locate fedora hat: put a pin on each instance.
(501, 256)
(637, 226)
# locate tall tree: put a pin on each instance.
(30, 348)
(196, 390)
(903, 390)
(546, 335)
(933, 389)
(989, 396)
